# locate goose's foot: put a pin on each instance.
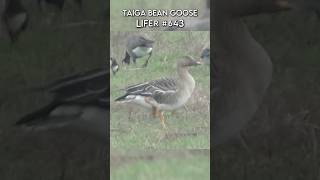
(145, 64)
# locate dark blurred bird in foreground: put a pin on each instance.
(244, 68)
(15, 18)
(57, 3)
(114, 66)
(137, 47)
(79, 101)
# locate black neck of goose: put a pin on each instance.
(126, 59)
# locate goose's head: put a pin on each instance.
(205, 54)
(188, 61)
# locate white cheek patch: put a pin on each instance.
(115, 68)
(141, 51)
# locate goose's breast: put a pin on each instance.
(141, 51)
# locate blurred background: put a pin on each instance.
(56, 43)
(282, 142)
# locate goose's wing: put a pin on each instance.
(80, 101)
(137, 41)
(85, 118)
(152, 87)
(165, 91)
(160, 90)
(80, 86)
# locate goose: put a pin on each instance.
(58, 3)
(79, 101)
(114, 66)
(242, 67)
(137, 47)
(166, 94)
(14, 18)
(205, 55)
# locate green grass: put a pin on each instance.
(186, 128)
(169, 168)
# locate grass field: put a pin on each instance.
(187, 129)
(169, 165)
(120, 23)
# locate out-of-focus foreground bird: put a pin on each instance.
(80, 101)
(243, 67)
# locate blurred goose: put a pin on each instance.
(114, 66)
(163, 94)
(243, 67)
(205, 55)
(57, 3)
(79, 101)
(14, 18)
(137, 47)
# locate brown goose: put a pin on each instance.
(244, 67)
(163, 94)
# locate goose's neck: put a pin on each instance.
(185, 78)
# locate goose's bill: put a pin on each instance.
(198, 62)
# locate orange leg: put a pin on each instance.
(162, 120)
(155, 112)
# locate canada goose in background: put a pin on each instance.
(16, 18)
(80, 101)
(205, 55)
(244, 67)
(166, 94)
(137, 47)
(114, 66)
(57, 3)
